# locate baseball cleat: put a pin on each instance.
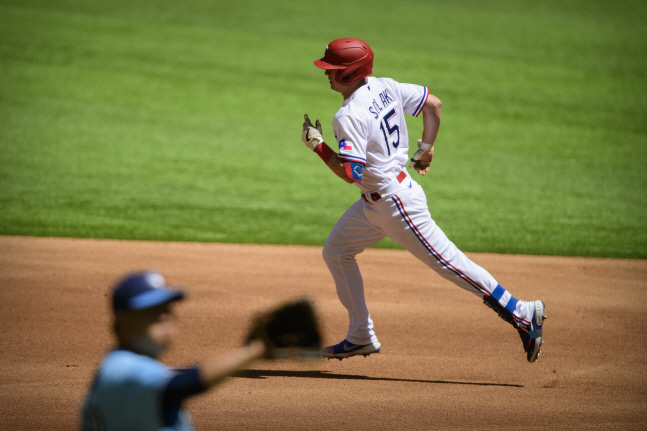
(531, 336)
(346, 349)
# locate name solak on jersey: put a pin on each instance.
(378, 106)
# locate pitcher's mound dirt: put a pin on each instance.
(447, 361)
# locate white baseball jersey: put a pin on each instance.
(126, 395)
(371, 130)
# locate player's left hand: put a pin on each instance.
(312, 136)
(422, 158)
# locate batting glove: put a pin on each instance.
(312, 136)
(422, 158)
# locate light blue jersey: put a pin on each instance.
(127, 395)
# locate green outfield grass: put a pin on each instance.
(169, 120)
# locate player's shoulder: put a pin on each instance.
(126, 365)
(355, 109)
(378, 84)
(350, 109)
(384, 81)
(122, 356)
(379, 88)
(355, 105)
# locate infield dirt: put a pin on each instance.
(447, 361)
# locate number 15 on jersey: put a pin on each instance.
(388, 130)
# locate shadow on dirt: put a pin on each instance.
(263, 374)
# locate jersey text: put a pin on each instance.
(377, 106)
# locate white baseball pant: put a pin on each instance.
(403, 217)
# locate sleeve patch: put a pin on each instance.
(345, 146)
(355, 171)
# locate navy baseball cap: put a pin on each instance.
(141, 290)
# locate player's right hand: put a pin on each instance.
(312, 136)
(422, 158)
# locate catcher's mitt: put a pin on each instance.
(290, 330)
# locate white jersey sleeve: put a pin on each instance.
(351, 136)
(413, 96)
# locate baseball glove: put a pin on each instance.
(290, 330)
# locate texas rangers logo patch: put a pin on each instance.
(343, 145)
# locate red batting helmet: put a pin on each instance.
(353, 57)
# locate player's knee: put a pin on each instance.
(335, 254)
(332, 254)
(327, 252)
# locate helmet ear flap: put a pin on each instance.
(355, 73)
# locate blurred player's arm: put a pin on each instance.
(188, 382)
(215, 370)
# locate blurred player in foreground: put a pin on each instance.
(133, 390)
(371, 135)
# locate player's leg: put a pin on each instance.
(352, 234)
(405, 218)
(413, 228)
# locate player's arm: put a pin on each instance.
(431, 119)
(339, 168)
(313, 139)
(210, 372)
(289, 330)
(215, 370)
(192, 381)
(431, 113)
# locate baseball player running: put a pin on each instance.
(373, 143)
